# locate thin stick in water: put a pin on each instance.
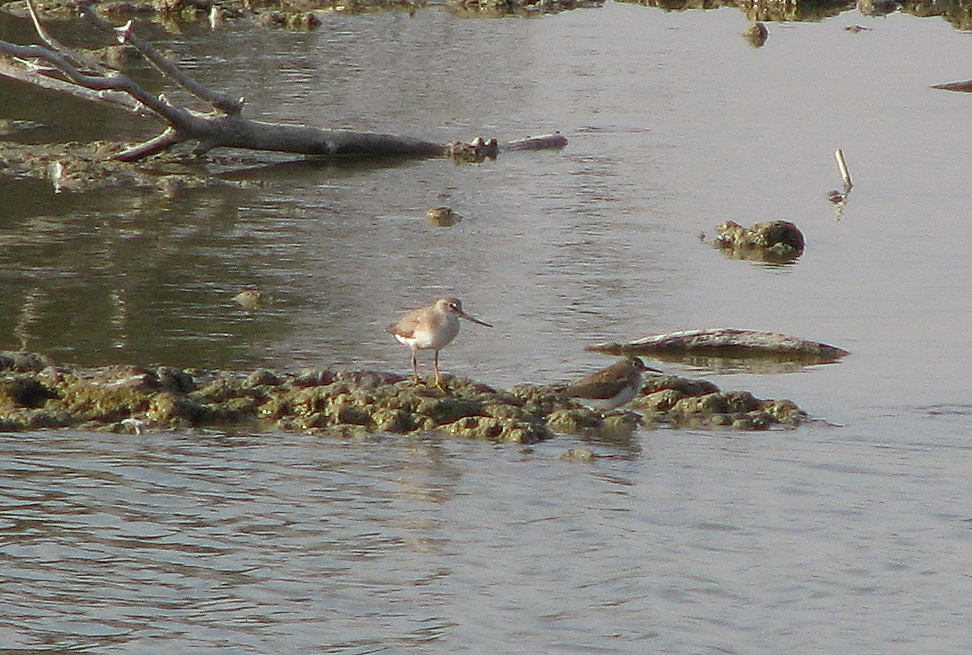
(842, 165)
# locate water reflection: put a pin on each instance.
(112, 279)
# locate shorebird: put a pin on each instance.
(431, 328)
(610, 387)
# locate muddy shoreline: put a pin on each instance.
(37, 393)
(307, 14)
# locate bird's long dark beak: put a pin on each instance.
(473, 319)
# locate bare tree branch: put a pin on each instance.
(154, 146)
(53, 44)
(33, 75)
(223, 127)
(126, 35)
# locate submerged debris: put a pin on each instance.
(37, 393)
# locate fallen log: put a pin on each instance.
(57, 67)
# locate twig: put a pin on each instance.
(842, 166)
(47, 81)
(162, 142)
(126, 35)
(114, 82)
(840, 197)
(57, 46)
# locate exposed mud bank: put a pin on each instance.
(37, 393)
(89, 167)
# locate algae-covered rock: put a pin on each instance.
(347, 414)
(23, 391)
(574, 420)
(23, 362)
(449, 410)
(756, 34)
(91, 401)
(658, 401)
(579, 455)
(395, 420)
(517, 7)
(167, 407)
(776, 242)
(738, 409)
(36, 394)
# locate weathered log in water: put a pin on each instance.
(225, 127)
(37, 393)
(66, 71)
(725, 342)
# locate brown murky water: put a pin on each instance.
(848, 535)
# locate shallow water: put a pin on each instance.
(848, 535)
(677, 542)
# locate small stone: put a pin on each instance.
(768, 241)
(756, 34)
(24, 391)
(263, 377)
(442, 217)
(249, 299)
(579, 455)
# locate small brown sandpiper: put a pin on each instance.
(610, 387)
(431, 328)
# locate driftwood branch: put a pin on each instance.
(46, 79)
(126, 35)
(55, 66)
(53, 44)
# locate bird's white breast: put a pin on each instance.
(434, 336)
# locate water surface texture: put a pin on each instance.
(848, 535)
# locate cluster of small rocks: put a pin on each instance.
(36, 393)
